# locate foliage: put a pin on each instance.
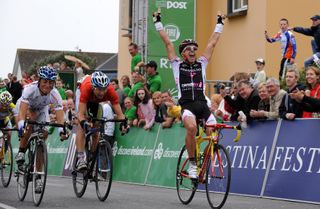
(59, 57)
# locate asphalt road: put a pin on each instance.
(59, 194)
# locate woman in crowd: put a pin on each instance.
(145, 110)
(313, 85)
(131, 110)
(125, 81)
(161, 115)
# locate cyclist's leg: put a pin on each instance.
(80, 145)
(189, 121)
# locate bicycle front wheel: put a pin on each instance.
(24, 175)
(6, 163)
(103, 170)
(218, 177)
(79, 179)
(39, 175)
(186, 187)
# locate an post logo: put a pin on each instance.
(173, 32)
(176, 5)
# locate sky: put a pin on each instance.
(66, 25)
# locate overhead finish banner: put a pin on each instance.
(178, 18)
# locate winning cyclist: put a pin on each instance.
(34, 103)
(93, 90)
(189, 75)
(7, 109)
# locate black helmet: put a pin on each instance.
(185, 43)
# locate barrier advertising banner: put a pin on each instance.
(249, 156)
(295, 168)
(178, 18)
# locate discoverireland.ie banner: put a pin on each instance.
(178, 18)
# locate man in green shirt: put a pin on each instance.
(154, 79)
(136, 60)
(137, 84)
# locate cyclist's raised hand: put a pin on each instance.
(157, 16)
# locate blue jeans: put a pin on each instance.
(309, 61)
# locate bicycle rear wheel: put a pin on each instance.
(103, 170)
(39, 175)
(218, 180)
(6, 163)
(79, 179)
(24, 175)
(186, 187)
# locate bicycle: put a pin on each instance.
(6, 159)
(36, 163)
(99, 163)
(214, 168)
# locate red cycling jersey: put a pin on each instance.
(87, 95)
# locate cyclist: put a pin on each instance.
(93, 90)
(7, 109)
(34, 103)
(189, 75)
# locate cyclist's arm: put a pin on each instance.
(82, 109)
(214, 38)
(23, 111)
(118, 111)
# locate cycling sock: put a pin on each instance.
(81, 155)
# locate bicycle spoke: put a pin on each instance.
(6, 163)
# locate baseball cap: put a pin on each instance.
(315, 17)
(260, 60)
(153, 64)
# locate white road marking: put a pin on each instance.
(4, 206)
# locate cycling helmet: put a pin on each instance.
(186, 43)
(47, 73)
(5, 98)
(99, 80)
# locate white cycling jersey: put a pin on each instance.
(32, 96)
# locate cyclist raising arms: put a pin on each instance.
(93, 90)
(189, 75)
(34, 104)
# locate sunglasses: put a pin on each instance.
(191, 48)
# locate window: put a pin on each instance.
(237, 7)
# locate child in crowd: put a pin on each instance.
(145, 110)
(161, 115)
(59, 86)
(260, 75)
(131, 110)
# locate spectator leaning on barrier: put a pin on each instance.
(314, 31)
(250, 98)
(145, 110)
(153, 78)
(308, 103)
(161, 115)
(264, 103)
(289, 108)
(313, 85)
(276, 95)
(131, 110)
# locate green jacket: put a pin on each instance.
(133, 90)
(154, 83)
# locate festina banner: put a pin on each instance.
(178, 18)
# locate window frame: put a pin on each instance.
(239, 11)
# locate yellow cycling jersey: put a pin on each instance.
(7, 112)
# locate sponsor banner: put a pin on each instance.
(295, 168)
(132, 154)
(178, 18)
(165, 156)
(249, 156)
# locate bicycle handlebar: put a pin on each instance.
(8, 129)
(105, 120)
(225, 126)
